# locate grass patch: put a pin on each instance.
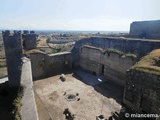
(150, 69)
(17, 103)
(96, 48)
(112, 50)
(122, 54)
(60, 48)
(149, 63)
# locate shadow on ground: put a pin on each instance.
(7, 97)
(101, 85)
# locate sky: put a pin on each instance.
(99, 15)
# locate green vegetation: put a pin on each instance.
(150, 70)
(149, 63)
(17, 103)
(60, 48)
(65, 35)
(96, 48)
(112, 50)
(122, 54)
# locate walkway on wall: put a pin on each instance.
(2, 80)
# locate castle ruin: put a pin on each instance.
(112, 57)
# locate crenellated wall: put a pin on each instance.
(29, 40)
(14, 52)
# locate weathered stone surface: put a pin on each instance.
(44, 65)
(145, 29)
(126, 45)
(29, 40)
(28, 109)
(98, 62)
(141, 91)
(14, 52)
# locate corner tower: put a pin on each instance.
(14, 52)
(29, 40)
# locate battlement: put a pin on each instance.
(28, 32)
(7, 33)
(14, 52)
(29, 40)
(14, 42)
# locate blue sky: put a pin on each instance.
(105, 15)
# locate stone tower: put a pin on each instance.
(29, 40)
(14, 52)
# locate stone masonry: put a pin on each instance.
(29, 40)
(14, 52)
(145, 29)
(14, 45)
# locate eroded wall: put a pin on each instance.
(13, 52)
(44, 65)
(139, 47)
(142, 92)
(29, 40)
(145, 29)
(111, 65)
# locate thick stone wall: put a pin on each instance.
(44, 65)
(145, 29)
(111, 65)
(14, 52)
(91, 66)
(38, 65)
(139, 47)
(142, 91)
(28, 110)
(29, 40)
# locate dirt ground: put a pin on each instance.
(51, 98)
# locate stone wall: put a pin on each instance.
(29, 40)
(29, 109)
(142, 91)
(145, 29)
(13, 52)
(139, 47)
(112, 65)
(44, 65)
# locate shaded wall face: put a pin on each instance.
(13, 51)
(134, 46)
(142, 91)
(112, 66)
(90, 66)
(45, 66)
(29, 41)
(146, 29)
(38, 62)
(58, 64)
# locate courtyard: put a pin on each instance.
(84, 95)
